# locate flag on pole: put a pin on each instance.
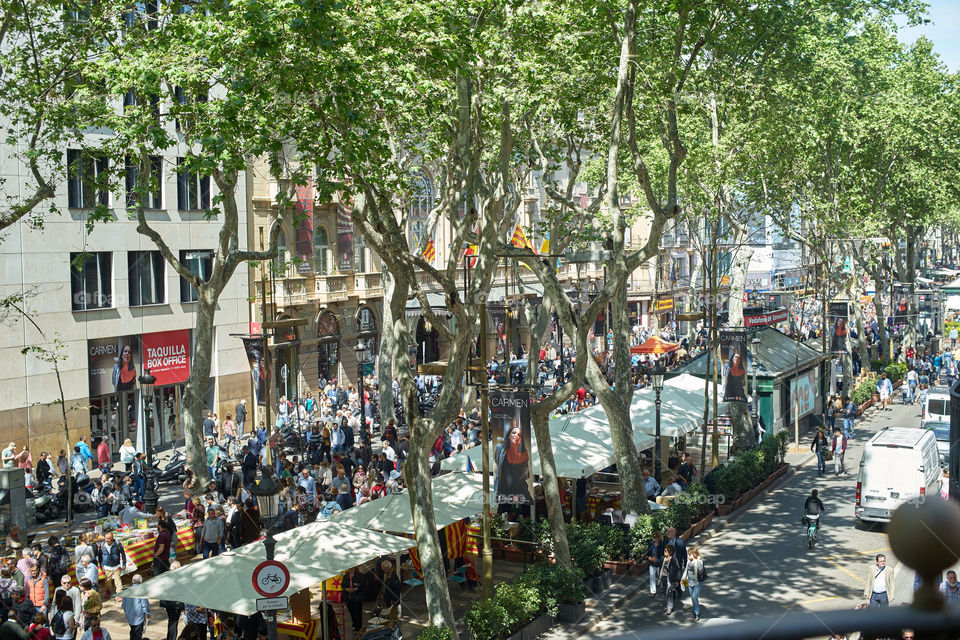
(429, 251)
(545, 247)
(472, 250)
(520, 240)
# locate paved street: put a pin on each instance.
(759, 563)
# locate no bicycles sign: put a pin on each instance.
(271, 578)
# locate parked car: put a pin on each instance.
(941, 430)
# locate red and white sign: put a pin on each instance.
(764, 319)
(167, 355)
(271, 578)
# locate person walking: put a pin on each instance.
(229, 436)
(670, 576)
(212, 534)
(112, 558)
(63, 622)
(885, 389)
(353, 585)
(136, 611)
(695, 576)
(839, 448)
(241, 412)
(820, 446)
(127, 454)
(879, 583)
(850, 411)
(655, 560)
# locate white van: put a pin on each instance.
(899, 464)
(937, 407)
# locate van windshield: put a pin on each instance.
(938, 406)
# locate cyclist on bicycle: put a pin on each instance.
(812, 508)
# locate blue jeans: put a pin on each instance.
(879, 600)
(848, 427)
(213, 472)
(695, 597)
(210, 549)
(139, 486)
(821, 463)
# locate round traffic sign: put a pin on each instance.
(271, 578)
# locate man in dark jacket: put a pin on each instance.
(241, 413)
(23, 607)
(671, 573)
(249, 465)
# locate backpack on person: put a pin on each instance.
(701, 573)
(6, 592)
(57, 624)
(59, 561)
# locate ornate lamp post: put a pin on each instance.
(267, 493)
(657, 378)
(150, 497)
(360, 349)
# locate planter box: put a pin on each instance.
(511, 554)
(571, 612)
(696, 528)
(618, 568)
(598, 584)
(535, 628)
(686, 534)
(639, 569)
(725, 508)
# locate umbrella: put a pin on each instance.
(313, 553)
(655, 346)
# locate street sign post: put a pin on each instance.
(272, 604)
(270, 578)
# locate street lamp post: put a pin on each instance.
(756, 365)
(657, 378)
(150, 497)
(359, 350)
(267, 493)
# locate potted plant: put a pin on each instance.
(488, 620)
(562, 588)
(617, 546)
(521, 600)
(436, 633)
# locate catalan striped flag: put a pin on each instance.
(471, 252)
(429, 251)
(520, 240)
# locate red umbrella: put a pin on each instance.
(655, 346)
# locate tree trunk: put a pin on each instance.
(906, 276)
(878, 306)
(551, 485)
(385, 355)
(196, 386)
(743, 433)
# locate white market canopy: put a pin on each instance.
(312, 553)
(455, 496)
(581, 441)
(953, 303)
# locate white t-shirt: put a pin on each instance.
(67, 617)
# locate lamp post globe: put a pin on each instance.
(150, 497)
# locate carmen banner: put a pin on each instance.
(254, 349)
(839, 313)
(510, 416)
(113, 364)
(733, 355)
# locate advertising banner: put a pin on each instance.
(113, 364)
(167, 355)
(344, 241)
(733, 355)
(901, 304)
(765, 319)
(510, 422)
(839, 313)
(303, 218)
(803, 394)
(254, 349)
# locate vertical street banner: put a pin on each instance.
(901, 304)
(254, 349)
(510, 422)
(303, 219)
(839, 313)
(498, 316)
(733, 355)
(344, 241)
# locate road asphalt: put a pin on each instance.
(759, 563)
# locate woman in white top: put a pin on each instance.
(694, 570)
(127, 454)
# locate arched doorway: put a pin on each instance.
(428, 342)
(368, 334)
(285, 368)
(328, 346)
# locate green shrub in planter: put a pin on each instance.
(616, 544)
(498, 526)
(559, 583)
(587, 547)
(877, 366)
(436, 633)
(864, 391)
(520, 598)
(726, 481)
(488, 620)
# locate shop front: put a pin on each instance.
(114, 366)
(368, 335)
(328, 345)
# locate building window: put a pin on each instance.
(320, 248)
(184, 102)
(359, 252)
(199, 263)
(138, 10)
(152, 184)
(145, 278)
(91, 280)
(421, 203)
(86, 180)
(193, 190)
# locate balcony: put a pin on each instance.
(368, 285)
(331, 288)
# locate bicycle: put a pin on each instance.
(813, 524)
